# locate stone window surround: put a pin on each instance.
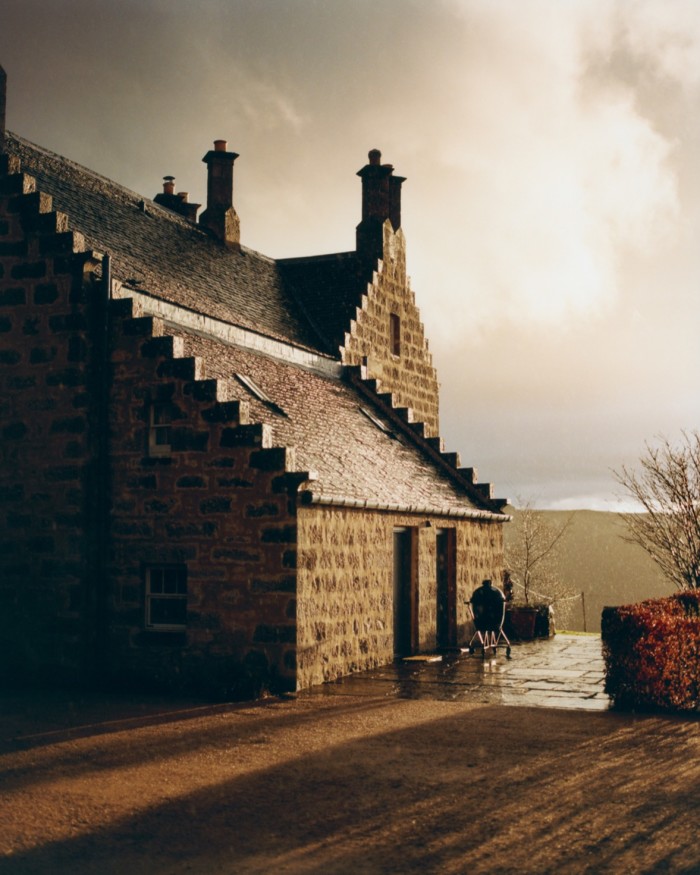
(158, 579)
(159, 423)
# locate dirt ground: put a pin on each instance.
(342, 784)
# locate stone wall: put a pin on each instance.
(47, 434)
(410, 375)
(345, 585)
(220, 503)
(84, 507)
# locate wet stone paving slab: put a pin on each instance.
(565, 671)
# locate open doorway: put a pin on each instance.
(446, 575)
(405, 594)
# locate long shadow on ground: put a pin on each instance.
(475, 790)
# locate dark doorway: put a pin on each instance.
(405, 608)
(446, 573)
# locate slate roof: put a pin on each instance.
(306, 302)
(170, 257)
(324, 421)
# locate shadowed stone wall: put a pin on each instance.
(219, 504)
(47, 433)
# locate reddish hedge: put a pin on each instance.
(652, 653)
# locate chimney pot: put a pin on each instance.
(168, 185)
(375, 156)
(184, 196)
(220, 145)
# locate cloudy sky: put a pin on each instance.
(552, 208)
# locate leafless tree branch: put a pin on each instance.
(533, 557)
(667, 487)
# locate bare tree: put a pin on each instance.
(667, 487)
(533, 554)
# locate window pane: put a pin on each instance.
(162, 414)
(170, 580)
(168, 612)
(156, 580)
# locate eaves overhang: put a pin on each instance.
(308, 497)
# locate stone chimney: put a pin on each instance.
(178, 203)
(381, 200)
(220, 217)
(3, 106)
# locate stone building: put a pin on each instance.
(220, 471)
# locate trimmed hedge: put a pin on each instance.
(652, 653)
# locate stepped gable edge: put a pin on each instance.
(188, 368)
(432, 447)
(322, 417)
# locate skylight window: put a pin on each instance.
(253, 388)
(372, 418)
(258, 393)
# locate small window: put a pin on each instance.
(160, 420)
(380, 425)
(258, 393)
(166, 596)
(253, 388)
(395, 334)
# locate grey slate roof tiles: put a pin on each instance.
(331, 435)
(170, 257)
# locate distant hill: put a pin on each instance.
(599, 563)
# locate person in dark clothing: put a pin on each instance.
(488, 606)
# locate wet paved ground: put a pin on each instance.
(561, 672)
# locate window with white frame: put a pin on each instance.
(166, 596)
(160, 419)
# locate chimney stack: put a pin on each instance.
(381, 200)
(178, 203)
(220, 217)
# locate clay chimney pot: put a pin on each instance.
(375, 156)
(220, 145)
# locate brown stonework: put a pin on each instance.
(46, 303)
(234, 533)
(410, 375)
(345, 585)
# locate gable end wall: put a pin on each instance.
(410, 376)
(222, 503)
